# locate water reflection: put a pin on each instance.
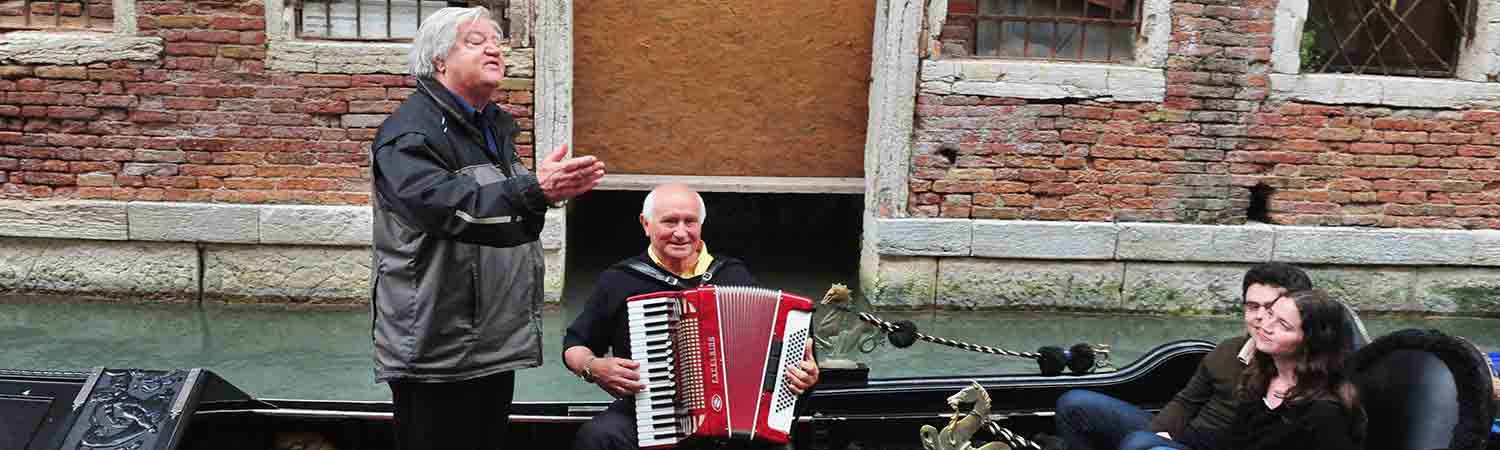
(325, 352)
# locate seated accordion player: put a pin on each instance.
(713, 360)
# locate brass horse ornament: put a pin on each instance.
(959, 433)
(839, 333)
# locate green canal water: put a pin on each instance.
(325, 352)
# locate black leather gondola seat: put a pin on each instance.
(1356, 327)
(1423, 390)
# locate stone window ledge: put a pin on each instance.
(1336, 89)
(1043, 80)
(367, 57)
(784, 185)
(76, 48)
(338, 57)
(1104, 241)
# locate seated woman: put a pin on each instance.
(1294, 395)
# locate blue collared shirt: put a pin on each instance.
(477, 118)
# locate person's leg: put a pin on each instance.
(464, 415)
(611, 429)
(1088, 420)
(1146, 440)
(426, 420)
(495, 394)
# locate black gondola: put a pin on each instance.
(44, 410)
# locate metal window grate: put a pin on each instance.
(378, 20)
(1420, 38)
(1056, 30)
(81, 15)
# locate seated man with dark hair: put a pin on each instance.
(677, 259)
(1087, 420)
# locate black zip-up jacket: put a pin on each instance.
(457, 275)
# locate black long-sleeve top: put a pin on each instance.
(603, 327)
(1321, 424)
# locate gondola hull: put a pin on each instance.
(847, 410)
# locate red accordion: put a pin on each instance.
(694, 388)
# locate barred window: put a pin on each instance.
(84, 15)
(1057, 30)
(1420, 38)
(378, 20)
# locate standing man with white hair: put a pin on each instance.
(457, 273)
(597, 344)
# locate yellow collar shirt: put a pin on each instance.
(704, 259)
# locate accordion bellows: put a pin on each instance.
(713, 361)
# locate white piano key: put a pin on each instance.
(641, 321)
(655, 426)
(648, 316)
(651, 330)
(661, 385)
(656, 442)
(654, 367)
(642, 336)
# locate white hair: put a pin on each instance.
(438, 34)
(648, 208)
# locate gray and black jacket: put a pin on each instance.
(457, 274)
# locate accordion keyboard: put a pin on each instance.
(655, 406)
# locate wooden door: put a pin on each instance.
(769, 88)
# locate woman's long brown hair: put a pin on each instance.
(1326, 343)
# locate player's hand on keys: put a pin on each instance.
(617, 376)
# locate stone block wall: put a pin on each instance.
(997, 139)
(183, 251)
(1176, 268)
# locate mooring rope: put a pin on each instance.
(891, 328)
(1015, 441)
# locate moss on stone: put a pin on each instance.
(1473, 298)
(902, 294)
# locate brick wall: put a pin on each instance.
(206, 122)
(1195, 156)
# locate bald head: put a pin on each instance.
(672, 219)
(671, 193)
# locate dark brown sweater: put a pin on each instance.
(1206, 405)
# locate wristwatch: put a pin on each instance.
(587, 374)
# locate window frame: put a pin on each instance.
(57, 20)
(1141, 80)
(1136, 22)
(299, 32)
(1471, 86)
(286, 51)
(74, 47)
(1389, 31)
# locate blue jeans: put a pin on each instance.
(1089, 420)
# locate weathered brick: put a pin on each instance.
(238, 23)
(71, 112)
(63, 72)
(48, 178)
(384, 107)
(187, 103)
(242, 52)
(323, 80)
(110, 101)
(1087, 112)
